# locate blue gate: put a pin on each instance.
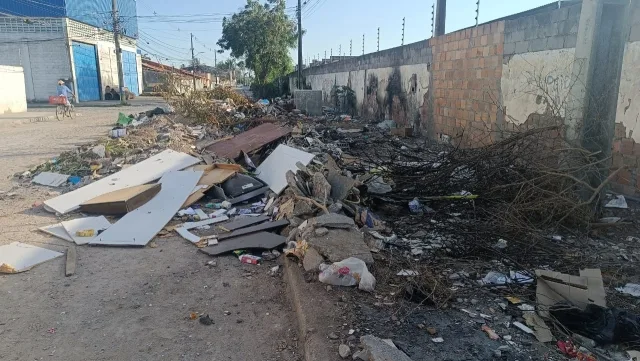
(86, 66)
(130, 69)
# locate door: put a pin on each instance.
(130, 69)
(85, 62)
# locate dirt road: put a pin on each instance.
(126, 303)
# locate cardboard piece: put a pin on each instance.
(274, 169)
(121, 201)
(57, 230)
(18, 257)
(260, 240)
(80, 224)
(139, 227)
(50, 179)
(141, 173)
(213, 174)
(540, 328)
(253, 229)
(554, 287)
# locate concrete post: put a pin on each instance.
(441, 15)
(582, 71)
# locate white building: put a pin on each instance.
(50, 49)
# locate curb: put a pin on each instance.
(313, 310)
(45, 118)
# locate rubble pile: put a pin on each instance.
(361, 204)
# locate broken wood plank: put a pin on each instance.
(70, 267)
(248, 141)
(259, 228)
(241, 223)
(260, 240)
(139, 227)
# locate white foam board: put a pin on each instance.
(139, 226)
(206, 222)
(188, 235)
(99, 223)
(19, 257)
(50, 179)
(57, 230)
(144, 172)
(274, 169)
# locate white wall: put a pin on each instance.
(531, 82)
(13, 97)
(628, 109)
(358, 81)
(44, 61)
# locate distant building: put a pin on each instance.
(70, 40)
(157, 78)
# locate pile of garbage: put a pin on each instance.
(360, 204)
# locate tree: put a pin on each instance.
(262, 35)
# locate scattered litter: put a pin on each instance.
(250, 259)
(206, 320)
(407, 273)
(84, 230)
(491, 333)
(50, 179)
(18, 257)
(350, 272)
(631, 289)
(201, 215)
(260, 240)
(523, 328)
(618, 202)
(554, 287)
(438, 340)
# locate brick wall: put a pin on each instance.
(556, 29)
(466, 80)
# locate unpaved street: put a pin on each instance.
(126, 303)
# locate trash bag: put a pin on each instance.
(603, 325)
(349, 272)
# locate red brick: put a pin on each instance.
(501, 26)
(627, 146)
(484, 40)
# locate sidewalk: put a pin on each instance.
(30, 116)
(137, 102)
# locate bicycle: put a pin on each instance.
(62, 109)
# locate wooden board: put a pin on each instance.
(57, 230)
(144, 172)
(249, 141)
(274, 169)
(80, 224)
(70, 266)
(121, 201)
(260, 240)
(242, 222)
(139, 227)
(253, 229)
(19, 257)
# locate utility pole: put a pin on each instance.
(299, 44)
(340, 50)
(215, 59)
(193, 64)
(378, 39)
(402, 32)
(350, 47)
(362, 44)
(477, 11)
(116, 40)
(441, 16)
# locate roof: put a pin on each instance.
(168, 69)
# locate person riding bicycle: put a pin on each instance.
(64, 91)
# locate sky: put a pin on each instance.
(330, 25)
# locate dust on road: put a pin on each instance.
(126, 303)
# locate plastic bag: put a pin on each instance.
(349, 272)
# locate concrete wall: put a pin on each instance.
(40, 49)
(390, 84)
(13, 97)
(537, 64)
